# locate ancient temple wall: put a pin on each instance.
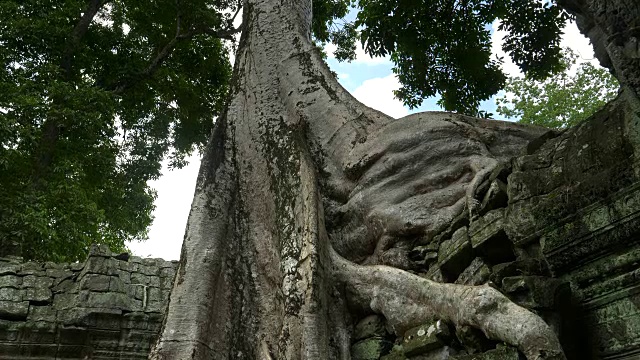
(109, 307)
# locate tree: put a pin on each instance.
(561, 101)
(94, 95)
(444, 46)
(97, 92)
(303, 190)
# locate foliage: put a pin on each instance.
(562, 100)
(444, 46)
(93, 96)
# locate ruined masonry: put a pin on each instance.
(110, 307)
(557, 230)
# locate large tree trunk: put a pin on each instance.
(613, 26)
(261, 277)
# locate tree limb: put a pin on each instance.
(78, 33)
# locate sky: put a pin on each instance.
(370, 80)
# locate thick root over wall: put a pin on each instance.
(406, 300)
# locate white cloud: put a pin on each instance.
(378, 94)
(175, 193)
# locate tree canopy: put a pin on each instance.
(562, 100)
(94, 94)
(443, 47)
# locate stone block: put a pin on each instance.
(536, 292)
(135, 320)
(125, 276)
(59, 274)
(424, 255)
(65, 286)
(33, 281)
(100, 250)
(9, 330)
(101, 265)
(38, 332)
(41, 313)
(138, 278)
(395, 354)
(477, 273)
(77, 266)
(370, 326)
(95, 282)
(30, 351)
(11, 294)
(109, 300)
(73, 336)
(503, 353)
(14, 310)
(526, 266)
(150, 270)
(10, 281)
(455, 254)
(370, 349)
(64, 301)
(104, 339)
(425, 338)
(117, 285)
(32, 268)
(9, 268)
(435, 274)
(87, 316)
(489, 239)
(38, 295)
(128, 266)
(70, 351)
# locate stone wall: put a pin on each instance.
(110, 307)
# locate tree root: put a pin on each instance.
(407, 300)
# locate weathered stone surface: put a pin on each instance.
(369, 349)
(489, 239)
(455, 254)
(95, 282)
(14, 310)
(75, 311)
(536, 292)
(477, 273)
(38, 295)
(370, 326)
(424, 255)
(504, 353)
(425, 338)
(10, 281)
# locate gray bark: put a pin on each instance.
(614, 30)
(264, 273)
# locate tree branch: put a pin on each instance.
(167, 50)
(78, 33)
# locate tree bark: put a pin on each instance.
(614, 30)
(301, 193)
